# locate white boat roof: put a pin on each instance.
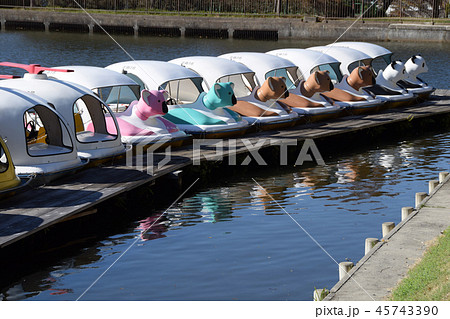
(154, 73)
(61, 94)
(14, 102)
(13, 105)
(212, 68)
(344, 55)
(306, 60)
(373, 50)
(260, 63)
(91, 77)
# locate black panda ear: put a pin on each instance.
(393, 64)
(413, 59)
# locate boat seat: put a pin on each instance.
(41, 149)
(91, 137)
(79, 126)
(408, 85)
(380, 90)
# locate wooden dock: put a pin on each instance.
(36, 209)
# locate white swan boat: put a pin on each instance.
(347, 88)
(79, 106)
(266, 115)
(139, 116)
(315, 107)
(201, 114)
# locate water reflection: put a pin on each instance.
(232, 222)
(153, 227)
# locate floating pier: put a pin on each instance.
(388, 261)
(37, 209)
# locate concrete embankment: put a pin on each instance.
(388, 262)
(222, 27)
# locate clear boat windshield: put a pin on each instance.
(184, 91)
(356, 64)
(244, 83)
(381, 62)
(118, 98)
(292, 74)
(333, 70)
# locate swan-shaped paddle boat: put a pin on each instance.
(383, 89)
(204, 115)
(139, 116)
(38, 137)
(79, 106)
(253, 103)
(347, 88)
(313, 105)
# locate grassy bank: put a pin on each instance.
(429, 279)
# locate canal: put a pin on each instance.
(228, 240)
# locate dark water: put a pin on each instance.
(230, 241)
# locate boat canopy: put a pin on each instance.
(154, 74)
(112, 87)
(373, 50)
(80, 107)
(214, 69)
(349, 58)
(380, 55)
(92, 77)
(265, 65)
(181, 84)
(37, 135)
(309, 61)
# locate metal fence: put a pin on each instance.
(423, 9)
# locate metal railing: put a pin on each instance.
(421, 9)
